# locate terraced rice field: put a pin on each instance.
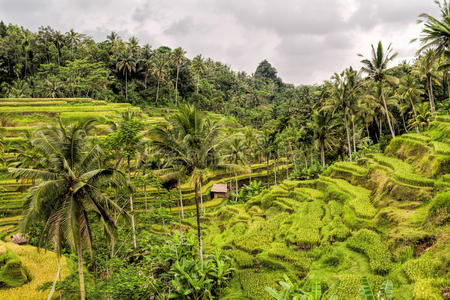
(358, 218)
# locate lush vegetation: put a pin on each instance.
(109, 152)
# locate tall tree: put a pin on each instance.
(128, 138)
(70, 187)
(377, 69)
(159, 70)
(126, 62)
(179, 59)
(199, 67)
(194, 140)
(324, 127)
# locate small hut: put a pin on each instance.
(220, 190)
(19, 239)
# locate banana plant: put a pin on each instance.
(291, 291)
(366, 291)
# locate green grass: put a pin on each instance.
(403, 171)
(370, 243)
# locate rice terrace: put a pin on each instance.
(131, 170)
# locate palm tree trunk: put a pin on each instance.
(322, 154)
(267, 162)
(403, 121)
(199, 232)
(131, 203)
(198, 81)
(80, 268)
(354, 133)
(275, 169)
(201, 194)
(157, 92)
(388, 118)
(176, 86)
(347, 131)
(430, 92)
(181, 199)
(237, 187)
(126, 86)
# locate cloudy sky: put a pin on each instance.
(306, 40)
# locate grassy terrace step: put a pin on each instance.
(30, 100)
(359, 197)
(402, 171)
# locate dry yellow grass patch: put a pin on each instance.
(42, 267)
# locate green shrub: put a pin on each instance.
(439, 210)
(12, 273)
(369, 243)
(254, 282)
(339, 231)
(424, 290)
(242, 258)
(420, 268)
(334, 259)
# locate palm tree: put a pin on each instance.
(409, 91)
(378, 71)
(342, 98)
(52, 87)
(436, 33)
(236, 149)
(426, 70)
(195, 141)
(133, 45)
(250, 138)
(73, 38)
(199, 67)
(71, 186)
(127, 64)
(159, 70)
(422, 118)
(178, 58)
(324, 127)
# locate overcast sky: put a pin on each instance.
(306, 40)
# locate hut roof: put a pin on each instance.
(219, 188)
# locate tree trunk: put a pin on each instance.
(430, 92)
(126, 86)
(275, 169)
(181, 199)
(354, 133)
(388, 118)
(131, 203)
(347, 131)
(268, 172)
(176, 86)
(322, 154)
(237, 187)
(404, 125)
(198, 81)
(80, 268)
(199, 232)
(201, 194)
(157, 92)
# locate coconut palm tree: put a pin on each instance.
(195, 141)
(126, 63)
(179, 59)
(71, 187)
(73, 38)
(159, 70)
(324, 127)
(436, 32)
(378, 71)
(199, 67)
(342, 98)
(426, 69)
(422, 118)
(236, 155)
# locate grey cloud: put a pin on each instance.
(307, 41)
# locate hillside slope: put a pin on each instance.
(384, 216)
